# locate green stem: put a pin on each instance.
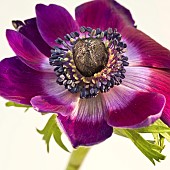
(76, 158)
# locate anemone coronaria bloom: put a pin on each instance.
(96, 71)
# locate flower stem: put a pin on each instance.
(76, 158)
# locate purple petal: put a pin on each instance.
(101, 14)
(133, 109)
(124, 12)
(29, 29)
(152, 80)
(144, 51)
(86, 125)
(62, 103)
(120, 10)
(19, 83)
(54, 21)
(27, 52)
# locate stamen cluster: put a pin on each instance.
(112, 72)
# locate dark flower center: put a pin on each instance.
(89, 61)
(90, 56)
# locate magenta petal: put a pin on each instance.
(29, 29)
(101, 14)
(144, 51)
(86, 125)
(133, 109)
(19, 82)
(54, 21)
(152, 80)
(166, 115)
(62, 103)
(28, 52)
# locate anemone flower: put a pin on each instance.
(97, 71)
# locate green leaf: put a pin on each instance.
(150, 150)
(9, 104)
(119, 132)
(156, 138)
(165, 134)
(51, 128)
(158, 128)
(154, 129)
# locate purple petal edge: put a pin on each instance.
(85, 133)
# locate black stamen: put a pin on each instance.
(76, 34)
(98, 31)
(61, 70)
(84, 93)
(122, 76)
(82, 29)
(124, 58)
(67, 37)
(117, 74)
(69, 81)
(59, 41)
(105, 32)
(68, 86)
(92, 91)
(125, 63)
(102, 88)
(60, 79)
(73, 35)
(98, 84)
(110, 31)
(121, 44)
(89, 29)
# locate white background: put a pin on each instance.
(21, 146)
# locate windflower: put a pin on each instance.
(97, 71)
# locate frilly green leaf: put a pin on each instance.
(51, 128)
(9, 104)
(165, 134)
(151, 150)
(159, 130)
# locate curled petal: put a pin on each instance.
(86, 125)
(144, 51)
(28, 52)
(62, 103)
(29, 29)
(128, 108)
(54, 21)
(99, 14)
(152, 80)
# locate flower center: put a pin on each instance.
(89, 61)
(90, 56)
